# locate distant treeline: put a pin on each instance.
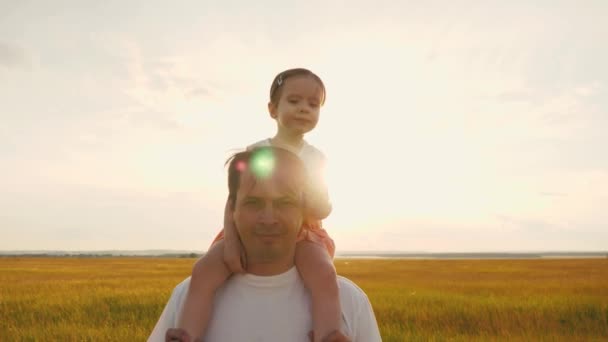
(87, 255)
(362, 255)
(479, 255)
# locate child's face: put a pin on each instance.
(297, 111)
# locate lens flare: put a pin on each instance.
(262, 163)
(241, 165)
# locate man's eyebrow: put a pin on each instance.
(287, 197)
(290, 197)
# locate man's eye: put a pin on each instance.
(286, 204)
(251, 203)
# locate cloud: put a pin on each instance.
(151, 79)
(85, 217)
(553, 194)
(12, 56)
(522, 96)
(199, 92)
(527, 224)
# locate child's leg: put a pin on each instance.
(208, 274)
(319, 275)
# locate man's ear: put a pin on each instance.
(272, 109)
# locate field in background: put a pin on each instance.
(120, 299)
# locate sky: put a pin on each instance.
(449, 126)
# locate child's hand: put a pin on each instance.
(313, 224)
(179, 335)
(234, 255)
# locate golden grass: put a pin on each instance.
(120, 299)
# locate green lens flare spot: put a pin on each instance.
(262, 163)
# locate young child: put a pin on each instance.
(296, 96)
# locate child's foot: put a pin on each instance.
(335, 336)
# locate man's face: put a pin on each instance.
(268, 215)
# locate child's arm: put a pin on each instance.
(317, 201)
(317, 195)
(208, 274)
(319, 276)
(233, 252)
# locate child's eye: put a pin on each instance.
(293, 101)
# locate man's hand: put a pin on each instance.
(336, 336)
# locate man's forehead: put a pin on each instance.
(279, 183)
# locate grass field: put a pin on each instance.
(120, 299)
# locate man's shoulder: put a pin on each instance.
(180, 289)
(351, 294)
(357, 312)
(348, 285)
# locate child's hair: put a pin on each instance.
(276, 87)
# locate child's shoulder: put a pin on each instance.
(310, 148)
(263, 142)
(312, 154)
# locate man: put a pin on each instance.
(269, 302)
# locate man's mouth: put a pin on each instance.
(267, 233)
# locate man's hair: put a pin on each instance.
(261, 162)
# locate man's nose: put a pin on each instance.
(267, 215)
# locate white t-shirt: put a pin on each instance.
(270, 308)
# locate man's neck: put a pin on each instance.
(269, 268)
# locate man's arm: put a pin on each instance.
(358, 315)
(168, 319)
(366, 327)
